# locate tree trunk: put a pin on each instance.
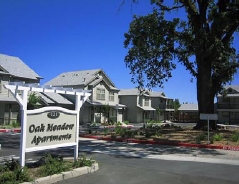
(205, 93)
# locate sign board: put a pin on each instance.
(50, 127)
(47, 127)
(208, 116)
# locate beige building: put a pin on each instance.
(12, 69)
(144, 106)
(228, 105)
(103, 105)
(188, 113)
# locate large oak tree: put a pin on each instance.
(203, 41)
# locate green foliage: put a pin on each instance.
(15, 124)
(12, 173)
(124, 132)
(217, 137)
(33, 101)
(126, 122)
(52, 165)
(83, 161)
(201, 40)
(201, 137)
(235, 137)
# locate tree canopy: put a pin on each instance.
(203, 42)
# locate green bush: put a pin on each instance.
(217, 137)
(15, 124)
(82, 161)
(12, 173)
(235, 137)
(52, 165)
(126, 122)
(200, 137)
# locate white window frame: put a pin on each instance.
(111, 96)
(100, 94)
(146, 101)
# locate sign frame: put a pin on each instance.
(22, 98)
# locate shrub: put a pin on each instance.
(82, 161)
(126, 122)
(217, 137)
(15, 124)
(235, 137)
(12, 173)
(52, 165)
(200, 137)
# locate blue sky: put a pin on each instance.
(56, 36)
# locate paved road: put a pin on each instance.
(136, 163)
(115, 169)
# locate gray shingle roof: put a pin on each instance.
(82, 77)
(16, 67)
(235, 87)
(135, 91)
(157, 94)
(188, 107)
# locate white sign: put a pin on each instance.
(208, 116)
(42, 132)
(50, 128)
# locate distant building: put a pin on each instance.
(144, 106)
(228, 105)
(13, 69)
(188, 113)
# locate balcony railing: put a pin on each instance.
(169, 107)
(163, 106)
(228, 106)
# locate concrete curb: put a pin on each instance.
(131, 140)
(65, 175)
(17, 130)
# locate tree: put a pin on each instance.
(202, 42)
(33, 101)
(176, 107)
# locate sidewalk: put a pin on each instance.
(162, 152)
(132, 140)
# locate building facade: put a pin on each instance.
(228, 105)
(13, 69)
(103, 105)
(144, 106)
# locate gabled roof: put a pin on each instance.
(133, 91)
(188, 107)
(81, 77)
(157, 94)
(231, 91)
(234, 87)
(136, 91)
(16, 67)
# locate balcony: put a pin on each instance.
(169, 107)
(163, 106)
(228, 106)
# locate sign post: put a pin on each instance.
(208, 117)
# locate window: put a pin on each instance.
(225, 114)
(146, 101)
(111, 96)
(100, 94)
